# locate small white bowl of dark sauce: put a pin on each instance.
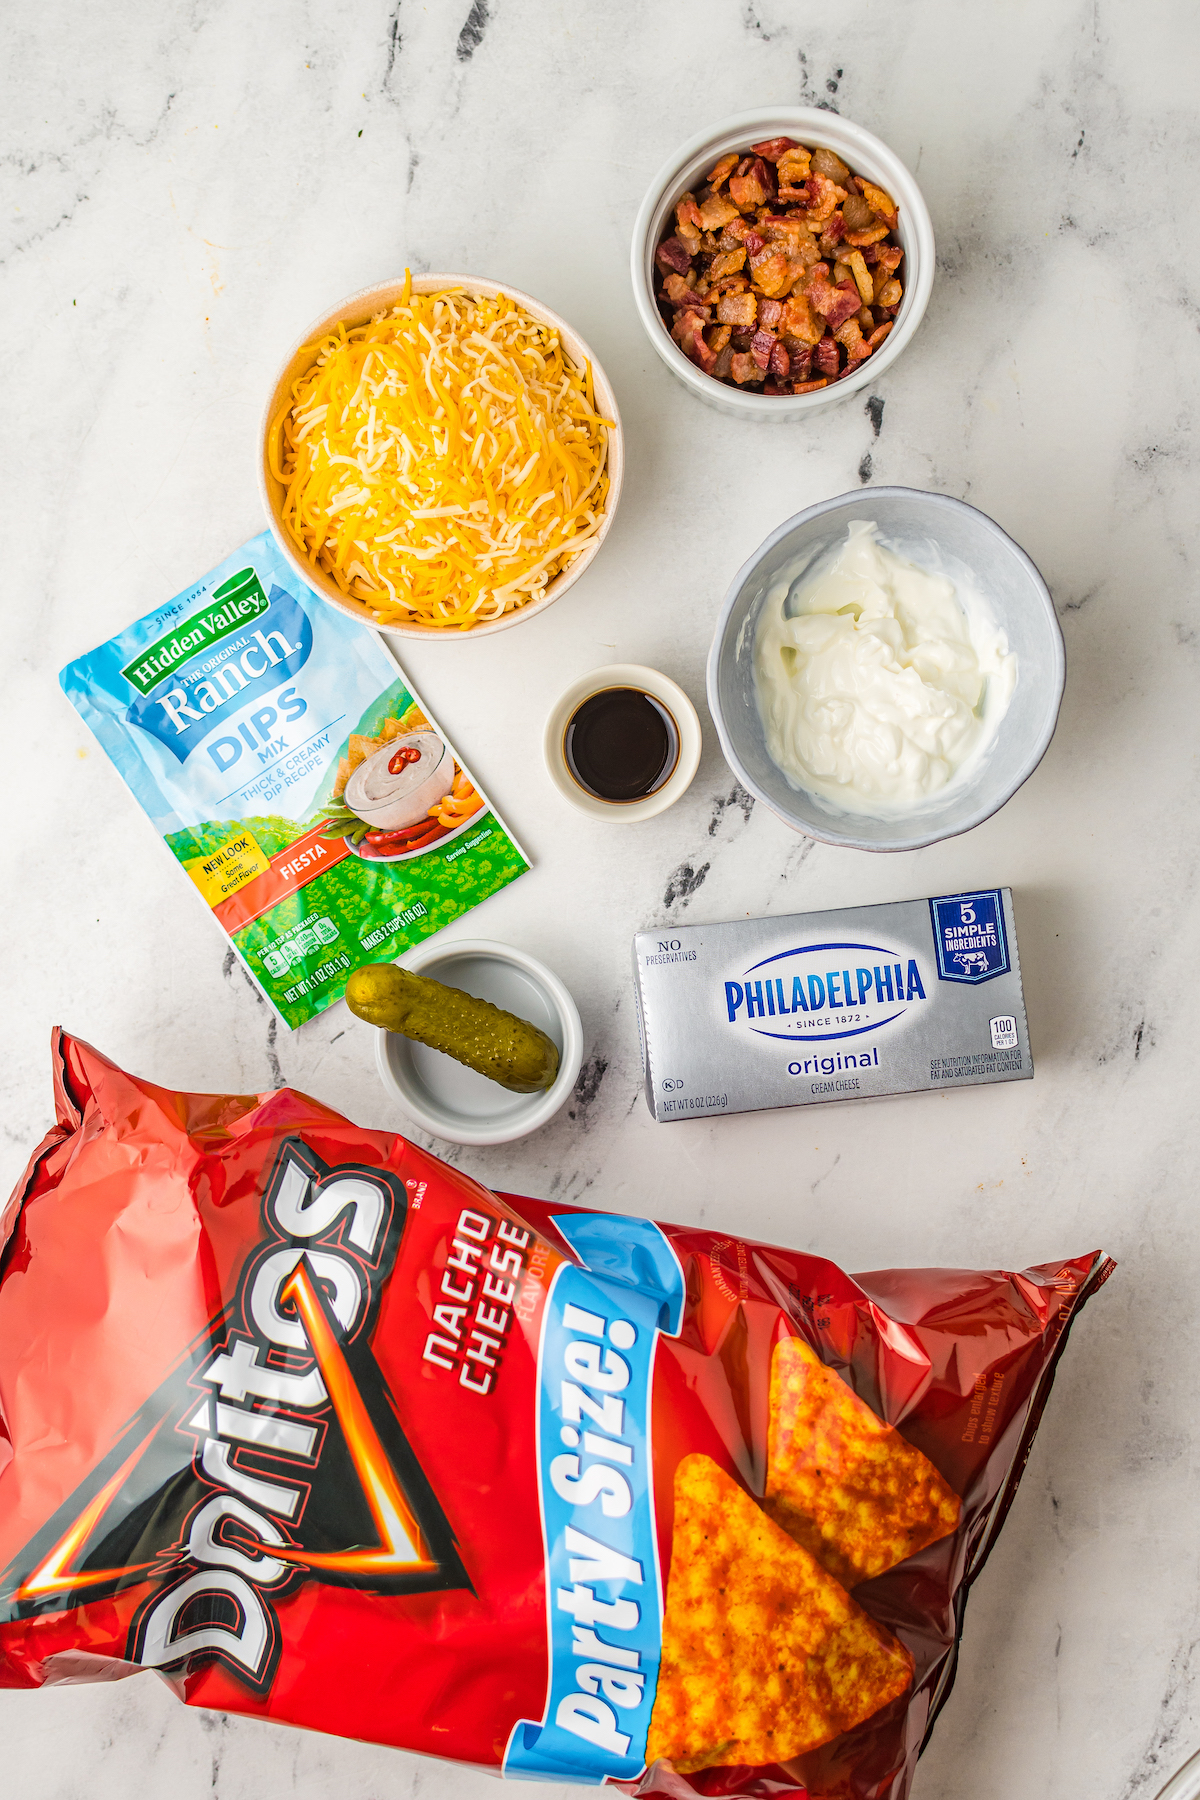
(623, 743)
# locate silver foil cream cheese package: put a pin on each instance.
(831, 1005)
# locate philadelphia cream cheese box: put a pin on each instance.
(831, 1005)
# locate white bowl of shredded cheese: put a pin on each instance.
(441, 455)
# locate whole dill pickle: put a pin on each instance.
(487, 1039)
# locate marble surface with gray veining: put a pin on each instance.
(185, 187)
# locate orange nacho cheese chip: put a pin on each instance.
(764, 1654)
(858, 1496)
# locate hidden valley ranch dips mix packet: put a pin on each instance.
(292, 772)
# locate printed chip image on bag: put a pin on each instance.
(294, 774)
(593, 1498)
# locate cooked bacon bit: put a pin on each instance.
(687, 322)
(783, 229)
(687, 217)
(797, 261)
(792, 169)
(858, 214)
(862, 238)
(849, 336)
(774, 148)
(862, 276)
(848, 303)
(761, 346)
(728, 284)
(765, 173)
(880, 202)
(679, 293)
(801, 356)
(753, 187)
(690, 337)
(798, 267)
(797, 320)
(834, 303)
(738, 309)
(771, 270)
(824, 195)
(825, 356)
(826, 162)
(726, 262)
(725, 167)
(781, 361)
(717, 211)
(735, 234)
(806, 251)
(672, 253)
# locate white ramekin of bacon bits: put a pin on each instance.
(781, 260)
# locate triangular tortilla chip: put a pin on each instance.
(342, 777)
(850, 1489)
(764, 1655)
(360, 748)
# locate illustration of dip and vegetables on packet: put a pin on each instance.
(294, 774)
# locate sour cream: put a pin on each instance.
(391, 799)
(878, 682)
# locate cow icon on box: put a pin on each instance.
(972, 962)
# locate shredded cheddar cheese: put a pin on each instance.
(444, 462)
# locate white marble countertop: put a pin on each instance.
(188, 188)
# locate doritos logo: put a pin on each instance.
(271, 1457)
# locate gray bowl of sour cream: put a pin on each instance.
(887, 669)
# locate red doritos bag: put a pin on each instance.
(323, 1431)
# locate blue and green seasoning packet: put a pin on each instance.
(236, 713)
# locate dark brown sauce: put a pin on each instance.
(621, 744)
